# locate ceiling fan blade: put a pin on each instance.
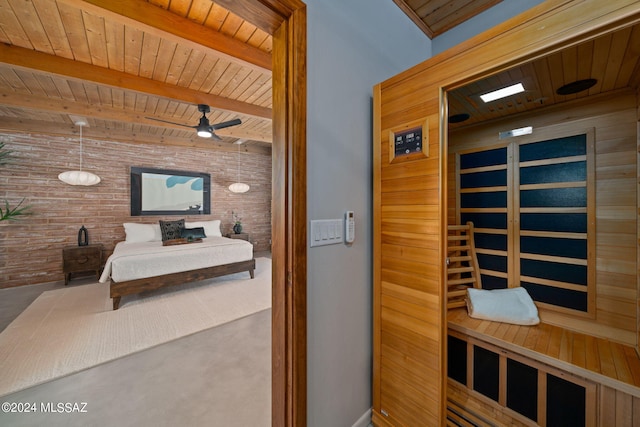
(167, 121)
(214, 136)
(222, 125)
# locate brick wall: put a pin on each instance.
(31, 249)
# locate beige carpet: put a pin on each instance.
(68, 330)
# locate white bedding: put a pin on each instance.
(137, 260)
(513, 305)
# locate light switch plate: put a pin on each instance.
(326, 232)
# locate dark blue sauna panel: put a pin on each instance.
(484, 158)
(484, 200)
(568, 248)
(557, 296)
(563, 172)
(457, 359)
(484, 179)
(490, 241)
(565, 403)
(486, 368)
(554, 148)
(485, 220)
(558, 222)
(522, 389)
(554, 198)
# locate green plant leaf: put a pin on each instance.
(14, 214)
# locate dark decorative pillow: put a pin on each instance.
(171, 229)
(193, 233)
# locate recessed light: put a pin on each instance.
(502, 93)
(577, 86)
(458, 118)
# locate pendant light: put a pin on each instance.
(79, 177)
(238, 187)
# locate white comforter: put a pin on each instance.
(131, 261)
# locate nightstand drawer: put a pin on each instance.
(77, 259)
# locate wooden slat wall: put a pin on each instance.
(408, 293)
(613, 118)
(410, 223)
(638, 212)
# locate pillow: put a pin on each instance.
(135, 232)
(193, 233)
(512, 305)
(211, 228)
(171, 229)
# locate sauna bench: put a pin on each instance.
(602, 361)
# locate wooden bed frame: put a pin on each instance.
(129, 287)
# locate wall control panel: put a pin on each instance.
(349, 227)
(326, 232)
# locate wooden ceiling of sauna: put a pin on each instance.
(613, 60)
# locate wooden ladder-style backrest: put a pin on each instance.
(462, 264)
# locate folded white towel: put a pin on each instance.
(513, 305)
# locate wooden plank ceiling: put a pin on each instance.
(118, 64)
(612, 60)
(434, 17)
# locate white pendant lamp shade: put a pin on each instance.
(79, 177)
(238, 187)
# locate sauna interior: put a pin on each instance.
(549, 180)
(554, 211)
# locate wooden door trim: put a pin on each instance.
(286, 21)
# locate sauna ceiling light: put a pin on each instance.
(515, 132)
(79, 177)
(502, 93)
(577, 86)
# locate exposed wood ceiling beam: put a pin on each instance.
(104, 112)
(106, 134)
(160, 22)
(261, 13)
(68, 68)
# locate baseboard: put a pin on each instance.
(364, 420)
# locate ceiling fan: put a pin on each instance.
(204, 129)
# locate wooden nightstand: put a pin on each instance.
(77, 259)
(243, 236)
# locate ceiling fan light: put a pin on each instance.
(239, 187)
(204, 133)
(79, 178)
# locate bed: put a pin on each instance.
(145, 262)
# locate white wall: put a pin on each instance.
(352, 45)
(489, 18)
